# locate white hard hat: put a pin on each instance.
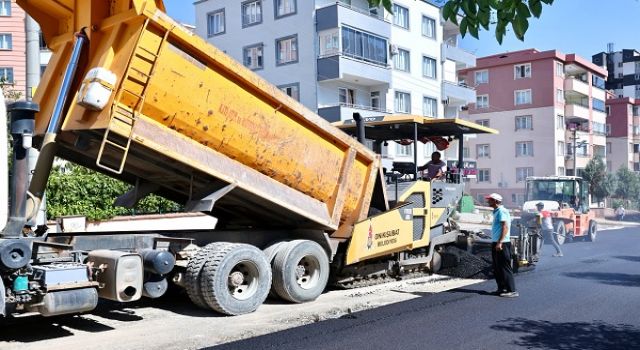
(494, 196)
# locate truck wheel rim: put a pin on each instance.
(243, 280)
(308, 272)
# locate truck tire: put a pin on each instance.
(593, 231)
(560, 232)
(300, 271)
(270, 252)
(236, 279)
(193, 272)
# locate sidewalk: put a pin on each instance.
(483, 220)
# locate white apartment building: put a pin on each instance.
(341, 57)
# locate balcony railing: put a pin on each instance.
(355, 57)
(371, 12)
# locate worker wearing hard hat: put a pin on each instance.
(501, 248)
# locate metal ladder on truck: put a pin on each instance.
(133, 89)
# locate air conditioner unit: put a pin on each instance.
(464, 108)
(393, 49)
(502, 184)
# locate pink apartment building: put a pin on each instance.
(12, 45)
(547, 106)
(623, 142)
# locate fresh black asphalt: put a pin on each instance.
(587, 300)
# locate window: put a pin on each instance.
(597, 82)
(465, 152)
(251, 13)
(404, 150)
(559, 69)
(364, 46)
(215, 23)
(620, 64)
(561, 148)
(522, 97)
(253, 58)
(482, 101)
(329, 42)
(620, 75)
(346, 96)
(403, 102)
(561, 171)
(559, 95)
(6, 75)
(599, 128)
(524, 149)
(484, 175)
(483, 122)
(375, 100)
(285, 8)
(608, 130)
(598, 105)
(523, 173)
(608, 110)
(524, 122)
(608, 147)
(5, 7)
(429, 107)
(401, 61)
(428, 27)
(560, 122)
(429, 67)
(522, 71)
(5, 42)
(636, 148)
(293, 90)
(482, 77)
(483, 151)
(401, 16)
(287, 50)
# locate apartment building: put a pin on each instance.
(624, 71)
(623, 140)
(341, 57)
(550, 110)
(12, 47)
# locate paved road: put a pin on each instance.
(588, 300)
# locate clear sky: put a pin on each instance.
(583, 27)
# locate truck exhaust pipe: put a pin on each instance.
(22, 127)
(359, 127)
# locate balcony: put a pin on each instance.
(457, 94)
(338, 13)
(574, 110)
(462, 58)
(357, 70)
(577, 85)
(345, 111)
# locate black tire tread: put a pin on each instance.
(279, 281)
(193, 272)
(210, 269)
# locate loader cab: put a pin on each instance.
(568, 191)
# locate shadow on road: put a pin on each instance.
(614, 279)
(628, 258)
(596, 335)
(22, 329)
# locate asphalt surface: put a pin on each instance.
(589, 300)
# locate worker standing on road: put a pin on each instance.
(546, 225)
(501, 248)
(436, 168)
(620, 213)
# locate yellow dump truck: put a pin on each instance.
(299, 202)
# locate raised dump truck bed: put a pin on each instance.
(188, 122)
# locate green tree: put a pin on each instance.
(595, 174)
(9, 93)
(477, 14)
(610, 185)
(628, 184)
(79, 191)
